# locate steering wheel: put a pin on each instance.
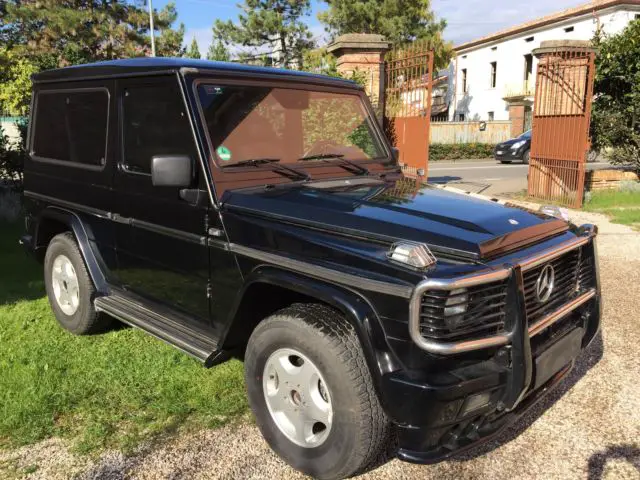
(320, 147)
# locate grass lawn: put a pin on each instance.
(622, 207)
(111, 390)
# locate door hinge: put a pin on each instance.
(209, 290)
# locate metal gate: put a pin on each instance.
(407, 106)
(561, 116)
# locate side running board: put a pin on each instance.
(198, 343)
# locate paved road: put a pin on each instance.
(508, 178)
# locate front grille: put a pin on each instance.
(474, 312)
(574, 273)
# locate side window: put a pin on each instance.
(154, 123)
(71, 126)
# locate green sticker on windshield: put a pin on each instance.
(224, 153)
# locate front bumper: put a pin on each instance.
(440, 427)
(506, 153)
(487, 384)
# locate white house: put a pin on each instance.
(492, 70)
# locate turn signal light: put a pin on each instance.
(415, 255)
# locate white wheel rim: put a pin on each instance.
(297, 397)
(65, 285)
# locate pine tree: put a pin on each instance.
(272, 27)
(400, 21)
(169, 41)
(218, 52)
(193, 51)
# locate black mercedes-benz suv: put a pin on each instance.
(240, 211)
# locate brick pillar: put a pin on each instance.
(516, 115)
(363, 52)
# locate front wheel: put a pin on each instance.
(312, 393)
(525, 158)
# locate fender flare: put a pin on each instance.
(84, 237)
(356, 308)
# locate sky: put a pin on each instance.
(466, 19)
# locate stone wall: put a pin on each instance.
(363, 53)
(607, 179)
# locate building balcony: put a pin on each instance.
(519, 91)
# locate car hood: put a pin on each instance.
(510, 142)
(404, 209)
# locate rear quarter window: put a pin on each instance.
(71, 126)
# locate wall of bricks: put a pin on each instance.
(363, 53)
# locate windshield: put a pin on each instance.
(246, 123)
(526, 135)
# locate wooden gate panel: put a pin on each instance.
(560, 131)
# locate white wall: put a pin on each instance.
(10, 130)
(509, 54)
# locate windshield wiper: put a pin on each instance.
(348, 165)
(283, 170)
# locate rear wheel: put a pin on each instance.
(70, 289)
(312, 393)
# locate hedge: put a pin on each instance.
(456, 151)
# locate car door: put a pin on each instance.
(161, 238)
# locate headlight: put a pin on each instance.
(415, 255)
(553, 211)
(517, 145)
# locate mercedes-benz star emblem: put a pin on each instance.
(544, 285)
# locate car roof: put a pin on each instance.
(151, 65)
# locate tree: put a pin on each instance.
(400, 21)
(15, 83)
(193, 51)
(169, 41)
(57, 33)
(218, 52)
(320, 61)
(271, 27)
(615, 123)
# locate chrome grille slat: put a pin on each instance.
(470, 322)
(569, 274)
(485, 313)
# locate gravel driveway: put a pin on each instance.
(588, 428)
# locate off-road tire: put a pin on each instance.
(85, 320)
(360, 429)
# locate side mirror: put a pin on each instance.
(171, 171)
(395, 152)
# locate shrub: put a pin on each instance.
(10, 205)
(455, 151)
(629, 186)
